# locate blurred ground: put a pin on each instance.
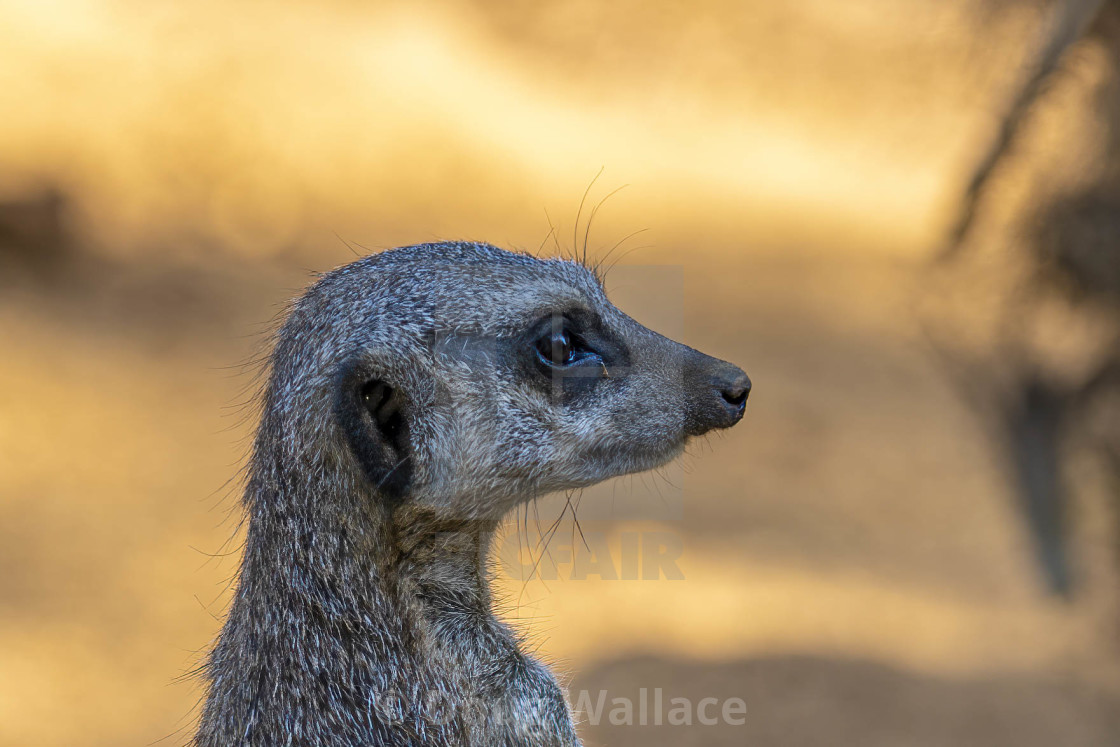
(854, 567)
(804, 700)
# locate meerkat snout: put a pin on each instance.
(715, 392)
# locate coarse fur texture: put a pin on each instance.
(414, 398)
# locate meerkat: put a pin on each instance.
(414, 398)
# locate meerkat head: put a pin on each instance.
(466, 378)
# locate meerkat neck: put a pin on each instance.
(349, 553)
(443, 563)
(341, 600)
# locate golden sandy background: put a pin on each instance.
(854, 565)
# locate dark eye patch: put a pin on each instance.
(568, 353)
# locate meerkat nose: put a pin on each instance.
(716, 393)
(737, 392)
(734, 387)
(730, 388)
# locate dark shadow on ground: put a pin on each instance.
(805, 701)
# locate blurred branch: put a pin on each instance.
(1034, 430)
(1069, 22)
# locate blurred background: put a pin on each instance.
(899, 216)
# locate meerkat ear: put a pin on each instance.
(373, 414)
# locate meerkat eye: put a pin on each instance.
(559, 346)
(556, 348)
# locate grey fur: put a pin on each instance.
(363, 611)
